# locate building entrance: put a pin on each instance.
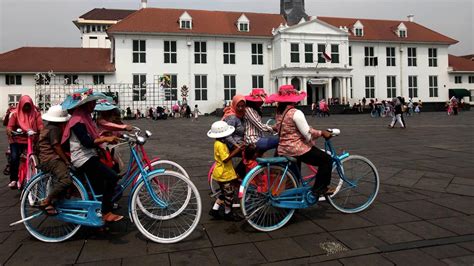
(316, 92)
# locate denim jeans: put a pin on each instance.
(15, 151)
(267, 143)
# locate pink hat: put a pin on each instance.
(287, 94)
(257, 95)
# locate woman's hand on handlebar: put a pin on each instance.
(9, 132)
(326, 134)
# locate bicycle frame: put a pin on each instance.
(300, 197)
(23, 169)
(87, 212)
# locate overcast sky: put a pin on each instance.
(49, 22)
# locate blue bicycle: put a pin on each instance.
(272, 191)
(165, 205)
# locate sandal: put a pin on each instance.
(47, 207)
(111, 217)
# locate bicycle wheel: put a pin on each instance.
(357, 195)
(256, 199)
(169, 166)
(177, 222)
(213, 185)
(44, 227)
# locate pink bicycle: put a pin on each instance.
(28, 160)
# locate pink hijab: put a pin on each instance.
(80, 115)
(232, 109)
(28, 120)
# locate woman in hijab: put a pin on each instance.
(26, 117)
(83, 137)
(234, 116)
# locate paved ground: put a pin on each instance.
(424, 213)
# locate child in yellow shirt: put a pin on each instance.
(224, 172)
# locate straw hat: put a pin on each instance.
(80, 97)
(287, 94)
(56, 114)
(220, 129)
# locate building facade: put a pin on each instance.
(217, 54)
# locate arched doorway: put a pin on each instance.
(296, 83)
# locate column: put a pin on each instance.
(329, 89)
(304, 87)
(342, 91)
(286, 81)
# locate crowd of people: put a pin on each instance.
(163, 112)
(68, 136)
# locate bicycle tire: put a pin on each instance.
(346, 200)
(256, 206)
(164, 164)
(31, 172)
(43, 227)
(167, 230)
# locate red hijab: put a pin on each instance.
(80, 115)
(28, 120)
(232, 109)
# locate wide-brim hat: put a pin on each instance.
(80, 97)
(256, 95)
(104, 105)
(287, 94)
(56, 114)
(220, 129)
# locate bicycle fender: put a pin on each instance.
(246, 178)
(132, 191)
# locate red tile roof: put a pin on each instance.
(460, 64)
(384, 30)
(107, 14)
(58, 59)
(468, 56)
(161, 20)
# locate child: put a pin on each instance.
(196, 113)
(52, 157)
(224, 172)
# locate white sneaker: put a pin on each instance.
(12, 185)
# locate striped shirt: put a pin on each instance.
(254, 127)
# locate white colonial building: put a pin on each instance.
(217, 54)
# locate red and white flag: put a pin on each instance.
(327, 57)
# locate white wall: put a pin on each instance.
(186, 69)
(401, 70)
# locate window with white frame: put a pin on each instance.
(295, 53)
(139, 87)
(369, 86)
(98, 79)
(308, 53)
(432, 57)
(171, 93)
(402, 33)
(257, 54)
(334, 53)
(359, 32)
(200, 53)
(471, 79)
(369, 56)
(170, 52)
(412, 86)
(243, 26)
(321, 50)
(200, 87)
(391, 86)
(13, 99)
(411, 56)
(350, 55)
(257, 81)
(186, 24)
(229, 53)
(71, 79)
(139, 51)
(458, 79)
(13, 79)
(390, 56)
(229, 87)
(433, 86)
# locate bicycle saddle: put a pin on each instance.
(275, 160)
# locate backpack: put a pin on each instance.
(6, 118)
